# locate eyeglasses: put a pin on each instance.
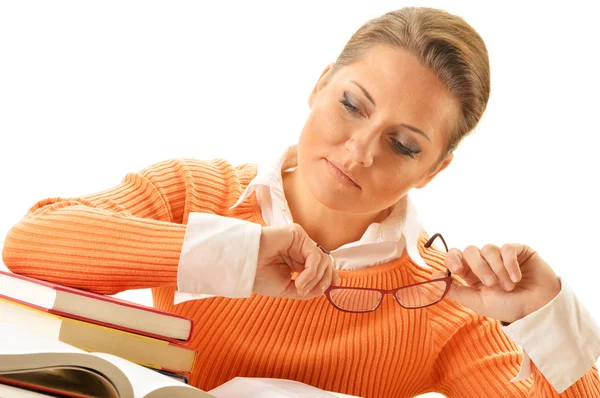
(418, 295)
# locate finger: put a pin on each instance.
(491, 254)
(467, 296)
(321, 286)
(303, 254)
(454, 262)
(328, 277)
(308, 283)
(335, 277)
(323, 279)
(291, 292)
(509, 253)
(311, 267)
(472, 259)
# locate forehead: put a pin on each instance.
(402, 86)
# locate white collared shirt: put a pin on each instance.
(206, 270)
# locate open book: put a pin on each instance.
(251, 387)
(31, 361)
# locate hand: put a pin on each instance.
(506, 283)
(288, 249)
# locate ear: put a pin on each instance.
(320, 83)
(445, 163)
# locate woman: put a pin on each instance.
(333, 211)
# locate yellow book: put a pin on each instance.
(143, 350)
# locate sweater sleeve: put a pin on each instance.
(480, 360)
(127, 237)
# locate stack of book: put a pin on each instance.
(57, 341)
(94, 323)
(62, 370)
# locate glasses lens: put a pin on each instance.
(357, 300)
(421, 295)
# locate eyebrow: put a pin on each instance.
(407, 126)
(365, 92)
(416, 130)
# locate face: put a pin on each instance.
(376, 129)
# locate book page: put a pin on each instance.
(148, 383)
(16, 392)
(250, 387)
(22, 349)
(64, 380)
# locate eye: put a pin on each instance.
(348, 104)
(404, 150)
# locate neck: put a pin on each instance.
(330, 228)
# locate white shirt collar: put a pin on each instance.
(381, 242)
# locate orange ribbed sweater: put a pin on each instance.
(130, 237)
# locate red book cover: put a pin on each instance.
(100, 297)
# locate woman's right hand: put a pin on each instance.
(287, 250)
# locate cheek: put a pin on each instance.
(326, 124)
(393, 181)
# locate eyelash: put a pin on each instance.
(398, 146)
(349, 106)
(404, 150)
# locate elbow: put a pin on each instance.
(13, 258)
(30, 246)
(24, 255)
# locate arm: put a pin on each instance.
(127, 237)
(167, 225)
(480, 360)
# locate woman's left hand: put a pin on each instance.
(491, 290)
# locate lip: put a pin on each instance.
(341, 175)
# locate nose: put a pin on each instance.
(361, 148)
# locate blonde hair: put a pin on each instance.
(443, 42)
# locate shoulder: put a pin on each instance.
(201, 185)
(192, 165)
(189, 167)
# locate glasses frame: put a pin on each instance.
(447, 279)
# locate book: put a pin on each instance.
(95, 308)
(16, 392)
(144, 350)
(30, 361)
(256, 387)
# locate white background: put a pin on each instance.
(92, 90)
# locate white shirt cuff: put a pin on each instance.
(561, 338)
(218, 258)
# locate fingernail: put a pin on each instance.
(514, 277)
(489, 280)
(453, 266)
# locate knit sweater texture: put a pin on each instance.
(130, 237)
